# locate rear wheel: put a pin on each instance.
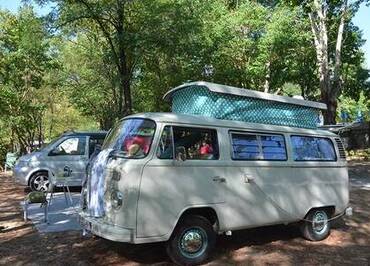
(39, 182)
(192, 241)
(317, 226)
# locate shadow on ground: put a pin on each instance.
(348, 244)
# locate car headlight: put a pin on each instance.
(117, 199)
(22, 163)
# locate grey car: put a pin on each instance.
(70, 152)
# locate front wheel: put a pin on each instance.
(192, 241)
(317, 225)
(39, 182)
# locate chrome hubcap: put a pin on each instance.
(41, 183)
(320, 222)
(193, 242)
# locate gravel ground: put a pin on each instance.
(348, 244)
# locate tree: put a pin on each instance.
(89, 78)
(24, 48)
(112, 19)
(327, 17)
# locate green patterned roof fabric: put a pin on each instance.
(223, 102)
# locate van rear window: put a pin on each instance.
(258, 147)
(307, 148)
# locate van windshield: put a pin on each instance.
(131, 138)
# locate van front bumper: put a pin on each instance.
(99, 227)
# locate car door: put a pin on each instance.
(179, 177)
(256, 174)
(68, 159)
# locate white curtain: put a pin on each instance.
(97, 178)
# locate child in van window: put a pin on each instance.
(206, 151)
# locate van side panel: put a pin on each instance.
(271, 192)
(168, 188)
(255, 193)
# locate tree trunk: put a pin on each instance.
(320, 33)
(331, 103)
(337, 77)
(124, 72)
(330, 89)
(266, 86)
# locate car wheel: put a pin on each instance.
(192, 241)
(317, 226)
(39, 182)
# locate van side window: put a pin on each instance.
(245, 147)
(258, 147)
(306, 148)
(273, 147)
(195, 143)
(165, 147)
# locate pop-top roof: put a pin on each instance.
(218, 88)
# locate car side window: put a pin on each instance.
(71, 146)
(165, 146)
(307, 148)
(93, 142)
(266, 147)
(195, 143)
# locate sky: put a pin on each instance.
(362, 20)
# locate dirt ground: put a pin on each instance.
(348, 244)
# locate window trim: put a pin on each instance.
(258, 135)
(191, 127)
(313, 160)
(172, 143)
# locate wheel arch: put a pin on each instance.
(329, 208)
(36, 171)
(207, 212)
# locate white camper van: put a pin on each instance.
(186, 178)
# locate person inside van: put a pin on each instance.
(135, 151)
(206, 151)
(143, 142)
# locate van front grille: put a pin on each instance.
(342, 153)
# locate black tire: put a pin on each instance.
(39, 181)
(319, 227)
(191, 228)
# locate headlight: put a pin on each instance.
(22, 163)
(117, 199)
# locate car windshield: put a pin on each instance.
(131, 138)
(48, 144)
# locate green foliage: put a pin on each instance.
(32, 109)
(353, 107)
(103, 54)
(23, 47)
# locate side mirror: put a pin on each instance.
(53, 152)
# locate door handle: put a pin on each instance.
(219, 179)
(248, 178)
